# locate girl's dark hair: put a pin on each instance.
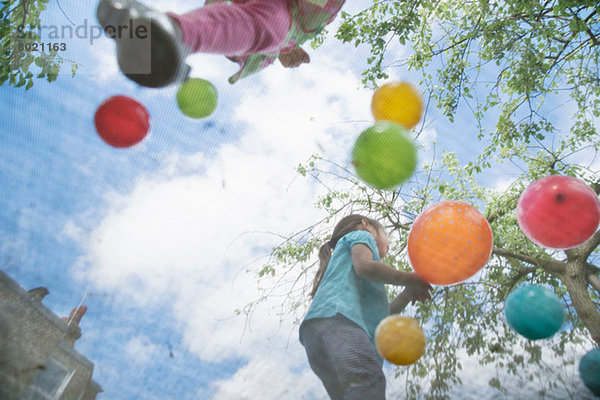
(346, 225)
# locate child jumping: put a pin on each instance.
(349, 301)
(254, 33)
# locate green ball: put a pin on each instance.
(384, 155)
(197, 98)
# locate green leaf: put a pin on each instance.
(41, 61)
(52, 76)
(27, 63)
(577, 25)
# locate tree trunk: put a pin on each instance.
(577, 285)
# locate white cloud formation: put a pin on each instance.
(263, 378)
(502, 184)
(140, 350)
(104, 61)
(186, 239)
(427, 152)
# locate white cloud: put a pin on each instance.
(104, 61)
(186, 239)
(426, 142)
(263, 378)
(73, 231)
(502, 184)
(140, 350)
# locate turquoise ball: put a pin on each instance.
(589, 370)
(534, 312)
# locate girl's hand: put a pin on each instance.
(418, 289)
(294, 58)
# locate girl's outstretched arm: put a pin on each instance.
(400, 302)
(411, 295)
(366, 267)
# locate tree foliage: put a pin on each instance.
(465, 319)
(517, 52)
(22, 57)
(505, 61)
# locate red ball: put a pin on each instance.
(122, 121)
(558, 212)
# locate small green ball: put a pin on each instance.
(384, 155)
(197, 98)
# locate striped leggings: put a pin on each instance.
(343, 357)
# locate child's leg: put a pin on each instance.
(342, 356)
(257, 26)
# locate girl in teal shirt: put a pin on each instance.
(349, 301)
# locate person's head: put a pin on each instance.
(350, 223)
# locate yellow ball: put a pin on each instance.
(399, 102)
(400, 340)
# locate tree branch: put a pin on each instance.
(594, 281)
(521, 257)
(595, 41)
(503, 209)
(23, 3)
(552, 266)
(588, 247)
(520, 274)
(592, 243)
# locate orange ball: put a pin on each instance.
(399, 102)
(449, 242)
(400, 340)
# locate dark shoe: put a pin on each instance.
(150, 50)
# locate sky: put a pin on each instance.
(162, 241)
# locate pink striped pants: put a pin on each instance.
(254, 26)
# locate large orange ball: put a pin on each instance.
(400, 340)
(449, 242)
(399, 102)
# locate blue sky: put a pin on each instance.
(158, 238)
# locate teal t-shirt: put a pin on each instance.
(342, 291)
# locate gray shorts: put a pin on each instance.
(341, 354)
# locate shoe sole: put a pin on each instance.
(149, 60)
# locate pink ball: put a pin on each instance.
(558, 212)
